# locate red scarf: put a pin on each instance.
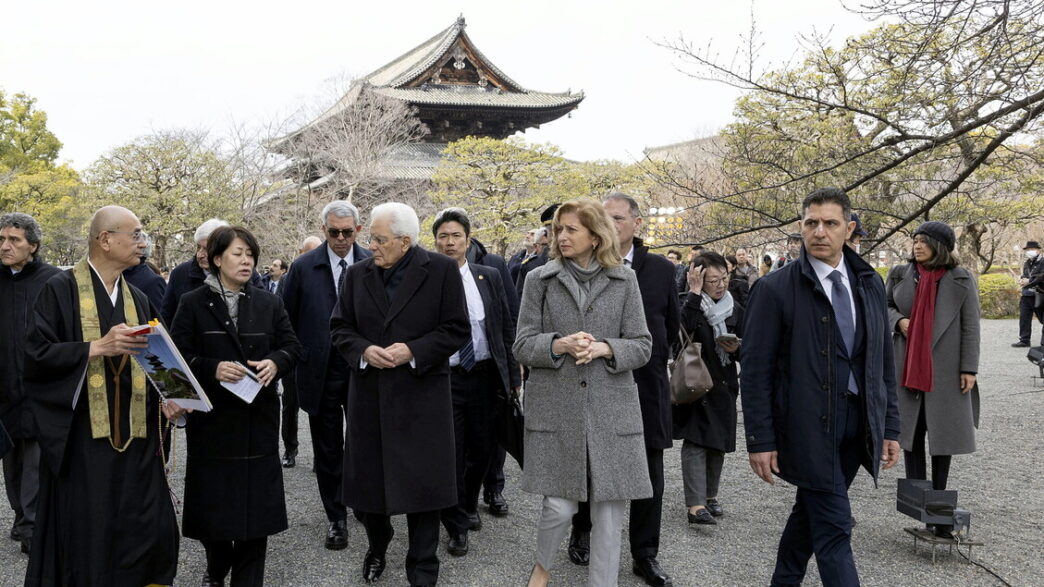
(918, 370)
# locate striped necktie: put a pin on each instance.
(467, 356)
(340, 278)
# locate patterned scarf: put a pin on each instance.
(231, 298)
(716, 314)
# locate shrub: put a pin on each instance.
(999, 296)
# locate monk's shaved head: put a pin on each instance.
(112, 218)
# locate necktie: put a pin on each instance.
(845, 320)
(467, 356)
(340, 278)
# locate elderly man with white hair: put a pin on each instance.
(190, 274)
(400, 317)
(320, 382)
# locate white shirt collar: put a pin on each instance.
(465, 271)
(824, 270)
(115, 288)
(335, 260)
(629, 257)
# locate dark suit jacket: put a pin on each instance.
(791, 357)
(233, 480)
(309, 295)
(150, 284)
(526, 268)
(515, 264)
(500, 327)
(660, 301)
(400, 420)
(477, 254)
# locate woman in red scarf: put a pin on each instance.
(933, 307)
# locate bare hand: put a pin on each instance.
(729, 346)
(400, 353)
(378, 357)
(229, 372)
(890, 453)
(904, 326)
(572, 345)
(117, 342)
(172, 411)
(594, 351)
(1023, 281)
(695, 279)
(266, 370)
(764, 465)
(967, 382)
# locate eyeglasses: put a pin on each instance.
(137, 236)
(716, 282)
(345, 232)
(382, 240)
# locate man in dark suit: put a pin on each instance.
(818, 382)
(528, 250)
(190, 275)
(660, 302)
(309, 292)
(1031, 278)
(541, 256)
(479, 372)
(144, 278)
(276, 271)
(400, 317)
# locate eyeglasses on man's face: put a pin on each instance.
(342, 232)
(138, 236)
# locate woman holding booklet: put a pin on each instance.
(235, 337)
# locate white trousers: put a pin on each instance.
(607, 518)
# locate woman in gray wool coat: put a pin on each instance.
(581, 331)
(933, 309)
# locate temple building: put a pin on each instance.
(456, 92)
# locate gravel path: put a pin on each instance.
(1000, 485)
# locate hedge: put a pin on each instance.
(998, 294)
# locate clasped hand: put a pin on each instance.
(118, 341)
(581, 346)
(388, 357)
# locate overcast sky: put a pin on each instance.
(108, 71)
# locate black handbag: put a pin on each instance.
(512, 429)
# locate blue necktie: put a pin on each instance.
(845, 321)
(467, 356)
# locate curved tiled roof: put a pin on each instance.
(464, 97)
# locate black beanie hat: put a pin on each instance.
(940, 231)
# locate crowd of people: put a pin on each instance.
(405, 360)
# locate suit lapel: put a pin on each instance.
(218, 308)
(375, 286)
(486, 291)
(411, 282)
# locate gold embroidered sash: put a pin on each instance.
(97, 396)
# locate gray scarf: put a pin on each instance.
(716, 313)
(582, 277)
(231, 298)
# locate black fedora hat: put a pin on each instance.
(1031, 245)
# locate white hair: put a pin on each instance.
(340, 209)
(402, 220)
(204, 230)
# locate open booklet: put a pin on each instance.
(167, 370)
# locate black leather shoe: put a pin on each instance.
(373, 566)
(650, 572)
(580, 547)
(337, 536)
(474, 521)
(1020, 344)
(458, 545)
(702, 516)
(498, 506)
(207, 582)
(289, 460)
(16, 537)
(714, 507)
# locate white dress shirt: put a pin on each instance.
(477, 316)
(335, 263)
(629, 257)
(823, 272)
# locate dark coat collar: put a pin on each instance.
(411, 282)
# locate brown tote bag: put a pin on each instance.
(690, 379)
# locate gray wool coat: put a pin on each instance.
(951, 416)
(583, 419)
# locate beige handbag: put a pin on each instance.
(690, 379)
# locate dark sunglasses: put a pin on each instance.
(345, 232)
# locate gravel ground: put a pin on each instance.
(997, 484)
